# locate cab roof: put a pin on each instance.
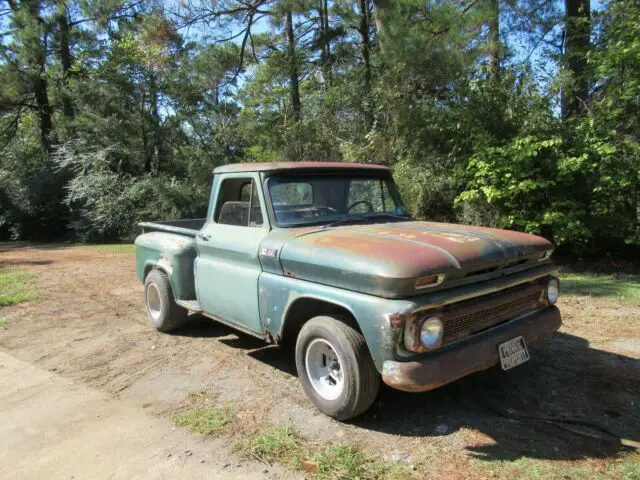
(274, 166)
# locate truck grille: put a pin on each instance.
(469, 322)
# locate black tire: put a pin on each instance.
(169, 316)
(360, 379)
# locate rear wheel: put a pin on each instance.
(335, 367)
(164, 313)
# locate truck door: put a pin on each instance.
(227, 266)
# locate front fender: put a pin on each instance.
(373, 314)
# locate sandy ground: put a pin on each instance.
(55, 428)
(88, 328)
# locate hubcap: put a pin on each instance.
(154, 302)
(324, 369)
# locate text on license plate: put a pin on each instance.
(513, 353)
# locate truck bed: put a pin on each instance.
(189, 227)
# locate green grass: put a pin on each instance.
(625, 468)
(2, 322)
(285, 446)
(619, 287)
(204, 421)
(115, 248)
(281, 445)
(16, 286)
(349, 462)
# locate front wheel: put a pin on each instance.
(335, 367)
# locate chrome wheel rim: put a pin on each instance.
(154, 302)
(324, 369)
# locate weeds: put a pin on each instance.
(285, 446)
(204, 421)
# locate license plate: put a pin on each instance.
(513, 353)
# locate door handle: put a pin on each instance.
(204, 236)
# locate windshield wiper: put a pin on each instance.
(349, 219)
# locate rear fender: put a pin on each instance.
(173, 254)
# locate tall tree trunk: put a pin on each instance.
(576, 45)
(379, 5)
(365, 42)
(36, 52)
(158, 148)
(325, 44)
(44, 111)
(365, 52)
(493, 39)
(293, 67)
(64, 51)
(40, 84)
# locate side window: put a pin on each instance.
(238, 203)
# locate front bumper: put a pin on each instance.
(478, 353)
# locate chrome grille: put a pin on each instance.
(481, 319)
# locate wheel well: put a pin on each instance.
(303, 310)
(147, 269)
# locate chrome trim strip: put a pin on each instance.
(447, 297)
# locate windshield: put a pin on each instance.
(318, 199)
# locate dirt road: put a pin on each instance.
(88, 327)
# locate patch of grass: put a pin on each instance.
(2, 322)
(627, 468)
(16, 286)
(281, 445)
(619, 287)
(285, 446)
(204, 421)
(349, 462)
(115, 248)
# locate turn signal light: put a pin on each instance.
(430, 281)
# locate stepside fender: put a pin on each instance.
(172, 253)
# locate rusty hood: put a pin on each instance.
(386, 259)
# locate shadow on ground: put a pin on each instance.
(618, 286)
(18, 263)
(523, 412)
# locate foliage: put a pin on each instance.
(117, 112)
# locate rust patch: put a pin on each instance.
(396, 320)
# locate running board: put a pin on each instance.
(192, 305)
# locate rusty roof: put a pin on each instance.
(272, 166)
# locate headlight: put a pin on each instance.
(431, 333)
(553, 290)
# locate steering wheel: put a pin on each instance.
(364, 202)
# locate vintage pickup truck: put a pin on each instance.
(324, 258)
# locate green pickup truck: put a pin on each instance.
(323, 257)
